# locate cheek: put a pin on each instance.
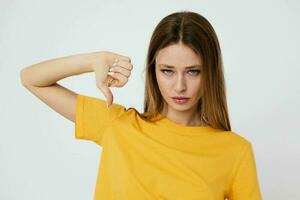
(163, 84)
(195, 86)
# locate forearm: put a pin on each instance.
(50, 71)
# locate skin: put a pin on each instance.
(179, 81)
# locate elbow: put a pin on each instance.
(22, 77)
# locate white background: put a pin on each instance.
(39, 155)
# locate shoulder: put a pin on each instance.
(238, 138)
(236, 146)
(128, 112)
(98, 107)
(234, 141)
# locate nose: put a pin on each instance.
(180, 84)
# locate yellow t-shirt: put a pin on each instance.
(164, 160)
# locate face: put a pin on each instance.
(178, 72)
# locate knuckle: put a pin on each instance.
(131, 66)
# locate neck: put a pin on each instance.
(185, 118)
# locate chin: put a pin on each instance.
(182, 107)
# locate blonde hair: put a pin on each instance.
(194, 31)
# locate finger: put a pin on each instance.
(115, 83)
(125, 58)
(119, 76)
(122, 63)
(107, 93)
(102, 85)
(110, 81)
(121, 70)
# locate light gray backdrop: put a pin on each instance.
(39, 155)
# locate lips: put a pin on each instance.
(180, 98)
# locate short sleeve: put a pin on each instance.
(245, 185)
(93, 117)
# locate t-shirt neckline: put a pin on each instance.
(182, 129)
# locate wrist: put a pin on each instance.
(94, 59)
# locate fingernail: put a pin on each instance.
(110, 73)
(111, 69)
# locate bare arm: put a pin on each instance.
(40, 79)
(48, 72)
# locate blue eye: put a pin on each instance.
(196, 72)
(165, 70)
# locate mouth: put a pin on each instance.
(180, 97)
(180, 100)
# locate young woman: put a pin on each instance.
(181, 146)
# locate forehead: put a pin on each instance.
(178, 55)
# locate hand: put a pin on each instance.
(105, 62)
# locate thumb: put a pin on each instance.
(108, 94)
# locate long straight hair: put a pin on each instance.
(194, 31)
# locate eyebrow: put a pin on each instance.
(170, 66)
